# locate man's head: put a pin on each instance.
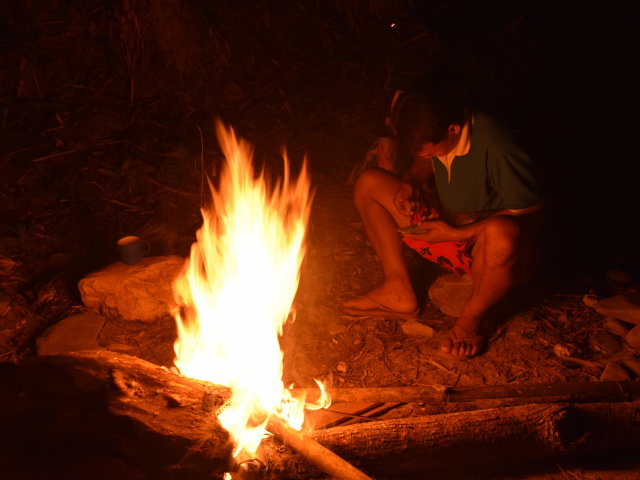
(428, 123)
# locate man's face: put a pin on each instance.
(443, 147)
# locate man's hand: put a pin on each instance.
(434, 231)
(405, 199)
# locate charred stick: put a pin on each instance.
(321, 457)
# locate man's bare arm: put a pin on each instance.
(446, 230)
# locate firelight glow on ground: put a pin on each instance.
(237, 289)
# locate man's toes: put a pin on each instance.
(447, 345)
(459, 348)
(452, 347)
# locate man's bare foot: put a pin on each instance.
(466, 339)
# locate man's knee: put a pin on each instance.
(501, 239)
(504, 229)
(369, 182)
(506, 242)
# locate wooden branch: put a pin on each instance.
(324, 459)
(458, 444)
(509, 394)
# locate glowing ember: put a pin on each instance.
(237, 288)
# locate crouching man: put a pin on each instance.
(469, 202)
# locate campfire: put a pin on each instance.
(237, 289)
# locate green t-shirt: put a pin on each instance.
(495, 174)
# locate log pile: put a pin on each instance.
(99, 410)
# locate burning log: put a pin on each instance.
(79, 405)
(458, 444)
(98, 403)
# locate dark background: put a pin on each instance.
(108, 109)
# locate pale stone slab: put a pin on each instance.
(413, 327)
(449, 292)
(624, 307)
(73, 334)
(140, 292)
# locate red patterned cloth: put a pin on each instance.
(452, 256)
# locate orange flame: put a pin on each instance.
(237, 289)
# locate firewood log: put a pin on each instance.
(101, 403)
(456, 445)
(127, 418)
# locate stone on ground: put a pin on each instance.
(614, 325)
(140, 292)
(625, 307)
(450, 291)
(633, 364)
(415, 328)
(615, 372)
(73, 334)
(633, 337)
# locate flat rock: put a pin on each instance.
(413, 327)
(140, 292)
(625, 307)
(615, 372)
(633, 364)
(633, 337)
(73, 334)
(615, 326)
(449, 292)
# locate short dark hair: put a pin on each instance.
(424, 116)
